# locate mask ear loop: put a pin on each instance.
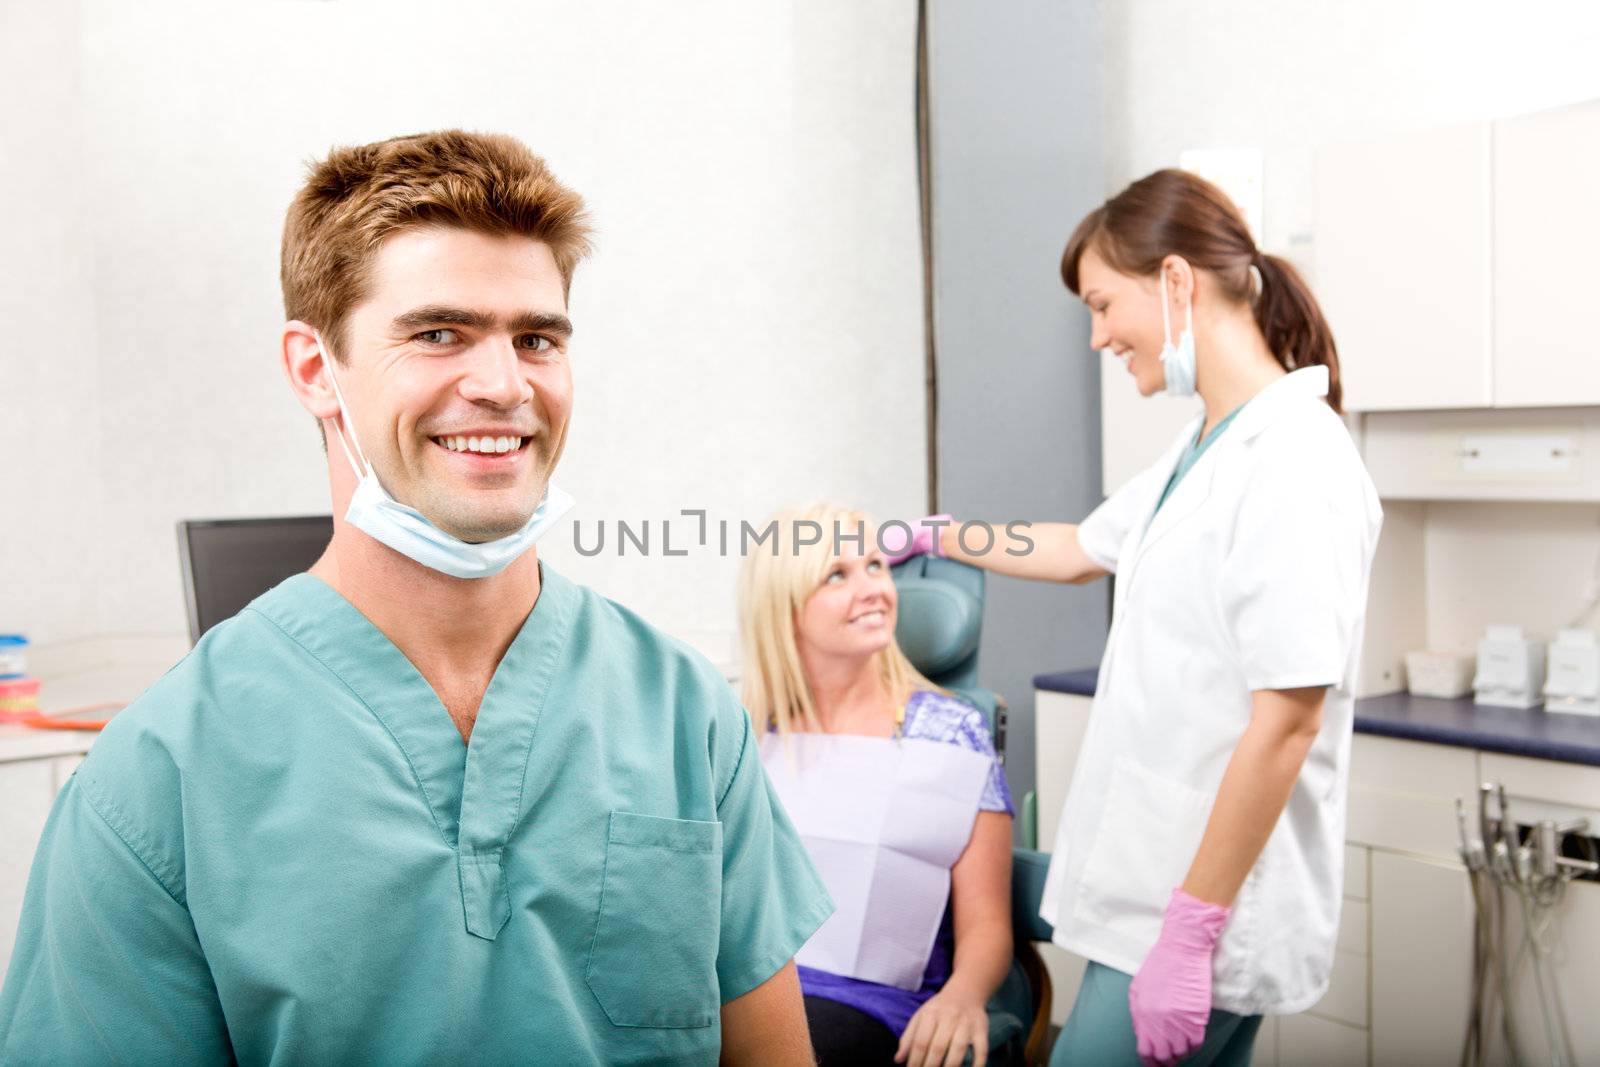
(344, 414)
(1166, 312)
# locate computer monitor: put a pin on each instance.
(229, 562)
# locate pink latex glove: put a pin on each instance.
(1170, 998)
(924, 539)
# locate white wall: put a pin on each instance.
(1286, 77)
(51, 502)
(749, 334)
(1528, 564)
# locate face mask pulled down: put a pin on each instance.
(1177, 360)
(406, 530)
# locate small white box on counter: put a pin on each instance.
(1510, 669)
(1572, 682)
(1439, 674)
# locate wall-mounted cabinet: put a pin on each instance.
(1452, 263)
(1403, 268)
(1550, 454)
(1546, 230)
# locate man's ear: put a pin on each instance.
(304, 364)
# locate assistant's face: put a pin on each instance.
(852, 612)
(457, 378)
(1125, 316)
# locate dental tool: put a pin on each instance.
(1530, 864)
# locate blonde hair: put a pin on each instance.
(774, 585)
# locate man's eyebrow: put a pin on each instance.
(542, 322)
(445, 315)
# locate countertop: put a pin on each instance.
(1535, 733)
(116, 682)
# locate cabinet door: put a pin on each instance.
(1402, 252)
(1546, 170)
(1060, 722)
(1421, 913)
(1311, 1041)
(27, 789)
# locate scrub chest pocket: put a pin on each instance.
(654, 958)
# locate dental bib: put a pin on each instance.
(406, 530)
(883, 821)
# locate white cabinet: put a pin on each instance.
(1546, 231)
(1421, 960)
(1403, 267)
(1453, 263)
(1060, 720)
(1403, 795)
(1312, 1041)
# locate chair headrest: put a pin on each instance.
(939, 624)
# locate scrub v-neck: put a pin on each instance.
(474, 789)
(1192, 454)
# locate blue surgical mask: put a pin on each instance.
(1177, 360)
(406, 530)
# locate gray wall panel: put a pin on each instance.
(1017, 159)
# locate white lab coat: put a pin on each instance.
(1253, 575)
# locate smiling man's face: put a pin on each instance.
(456, 376)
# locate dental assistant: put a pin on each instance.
(1199, 860)
(431, 802)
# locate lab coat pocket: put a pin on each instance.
(654, 957)
(1148, 834)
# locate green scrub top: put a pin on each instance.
(1192, 454)
(284, 853)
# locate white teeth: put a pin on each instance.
(483, 445)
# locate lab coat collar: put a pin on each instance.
(1186, 496)
(1259, 412)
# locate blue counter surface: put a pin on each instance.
(1535, 733)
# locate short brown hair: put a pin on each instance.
(360, 196)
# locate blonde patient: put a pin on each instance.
(818, 611)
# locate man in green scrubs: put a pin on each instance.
(430, 802)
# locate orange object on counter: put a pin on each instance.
(88, 717)
(19, 699)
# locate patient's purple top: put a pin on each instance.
(932, 717)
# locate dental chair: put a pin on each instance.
(939, 626)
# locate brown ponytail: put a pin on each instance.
(1293, 325)
(1173, 212)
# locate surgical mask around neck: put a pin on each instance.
(1177, 360)
(406, 530)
